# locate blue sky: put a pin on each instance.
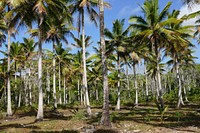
(120, 9)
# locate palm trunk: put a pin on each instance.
(105, 119)
(54, 79)
(78, 86)
(30, 86)
(48, 87)
(89, 113)
(180, 98)
(64, 90)
(184, 87)
(40, 113)
(160, 98)
(136, 85)
(59, 83)
(20, 92)
(96, 91)
(15, 83)
(9, 109)
(118, 84)
(146, 83)
(25, 89)
(82, 95)
(127, 80)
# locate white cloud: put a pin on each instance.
(128, 10)
(185, 10)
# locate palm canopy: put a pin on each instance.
(3, 26)
(116, 37)
(79, 42)
(28, 12)
(89, 5)
(191, 2)
(154, 25)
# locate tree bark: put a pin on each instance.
(136, 85)
(118, 84)
(9, 109)
(40, 113)
(64, 90)
(48, 87)
(146, 83)
(30, 86)
(54, 79)
(89, 113)
(127, 80)
(59, 83)
(96, 91)
(20, 92)
(105, 119)
(160, 98)
(180, 98)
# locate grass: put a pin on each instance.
(144, 118)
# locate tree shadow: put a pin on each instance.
(105, 131)
(63, 131)
(3, 127)
(173, 118)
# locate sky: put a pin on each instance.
(120, 9)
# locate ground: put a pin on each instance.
(141, 119)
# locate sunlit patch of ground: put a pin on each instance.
(143, 119)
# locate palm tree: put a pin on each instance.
(154, 28)
(178, 48)
(29, 47)
(105, 119)
(79, 44)
(6, 7)
(63, 57)
(37, 11)
(116, 41)
(57, 32)
(79, 6)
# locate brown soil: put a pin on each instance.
(143, 119)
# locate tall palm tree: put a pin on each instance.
(37, 11)
(154, 28)
(29, 47)
(58, 30)
(63, 56)
(116, 41)
(6, 7)
(178, 47)
(105, 119)
(80, 6)
(79, 44)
